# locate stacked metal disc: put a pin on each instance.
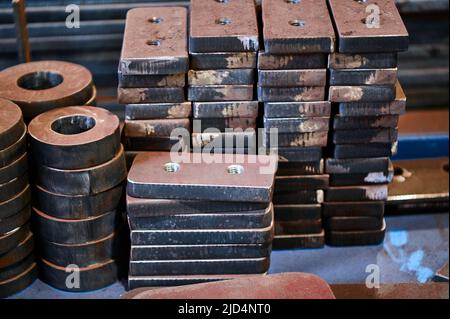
(80, 168)
(152, 76)
(17, 266)
(41, 86)
(292, 83)
(368, 102)
(194, 223)
(223, 46)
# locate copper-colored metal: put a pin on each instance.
(158, 111)
(11, 123)
(155, 128)
(14, 151)
(19, 282)
(20, 20)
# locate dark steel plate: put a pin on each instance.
(158, 111)
(203, 110)
(297, 109)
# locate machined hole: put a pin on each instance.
(223, 21)
(445, 167)
(235, 170)
(223, 1)
(172, 167)
(398, 171)
(293, 1)
(154, 42)
(361, 1)
(297, 23)
(72, 125)
(42, 80)
(156, 20)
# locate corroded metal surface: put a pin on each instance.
(202, 110)
(364, 77)
(267, 61)
(223, 60)
(291, 94)
(292, 78)
(154, 128)
(158, 111)
(363, 61)
(297, 125)
(221, 77)
(297, 109)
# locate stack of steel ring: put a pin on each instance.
(80, 169)
(17, 267)
(38, 87)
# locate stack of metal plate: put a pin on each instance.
(368, 101)
(298, 37)
(80, 168)
(192, 222)
(223, 45)
(152, 77)
(17, 266)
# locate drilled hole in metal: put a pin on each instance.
(398, 171)
(235, 170)
(154, 43)
(72, 125)
(297, 23)
(155, 20)
(223, 21)
(172, 167)
(40, 80)
(445, 168)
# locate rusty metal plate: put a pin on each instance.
(373, 178)
(267, 61)
(199, 267)
(18, 253)
(364, 77)
(364, 150)
(298, 227)
(223, 124)
(357, 165)
(221, 77)
(217, 93)
(292, 78)
(78, 207)
(154, 128)
(354, 209)
(142, 81)
(11, 123)
(297, 139)
(363, 61)
(301, 168)
(246, 139)
(75, 137)
(93, 277)
(196, 252)
(356, 238)
(353, 223)
(15, 204)
(379, 136)
(364, 122)
(150, 95)
(291, 94)
(13, 187)
(155, 42)
(305, 27)
(18, 283)
(299, 154)
(223, 26)
(359, 32)
(15, 151)
(40, 86)
(90, 181)
(78, 231)
(305, 182)
(156, 176)
(286, 213)
(15, 221)
(297, 125)
(17, 168)
(298, 197)
(363, 93)
(356, 193)
(13, 238)
(204, 110)
(158, 111)
(297, 109)
(308, 241)
(223, 60)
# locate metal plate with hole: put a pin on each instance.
(364, 77)
(244, 139)
(23, 249)
(362, 93)
(308, 241)
(20, 282)
(15, 204)
(366, 136)
(142, 81)
(364, 122)
(369, 26)
(10, 189)
(15, 221)
(203, 237)
(353, 209)
(312, 139)
(222, 124)
(152, 144)
(216, 93)
(297, 109)
(357, 165)
(363, 61)
(150, 95)
(289, 213)
(292, 78)
(202, 110)
(305, 27)
(232, 220)
(90, 181)
(298, 197)
(353, 223)
(158, 111)
(75, 137)
(305, 182)
(291, 94)
(223, 60)
(12, 239)
(301, 168)
(155, 42)
(308, 226)
(356, 238)
(356, 193)
(40, 86)
(93, 277)
(418, 186)
(299, 154)
(267, 61)
(11, 123)
(79, 231)
(15, 151)
(155, 128)
(16, 269)
(78, 207)
(364, 150)
(297, 125)
(186, 252)
(157, 176)
(17, 168)
(223, 26)
(83, 255)
(221, 77)
(199, 267)
(139, 207)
